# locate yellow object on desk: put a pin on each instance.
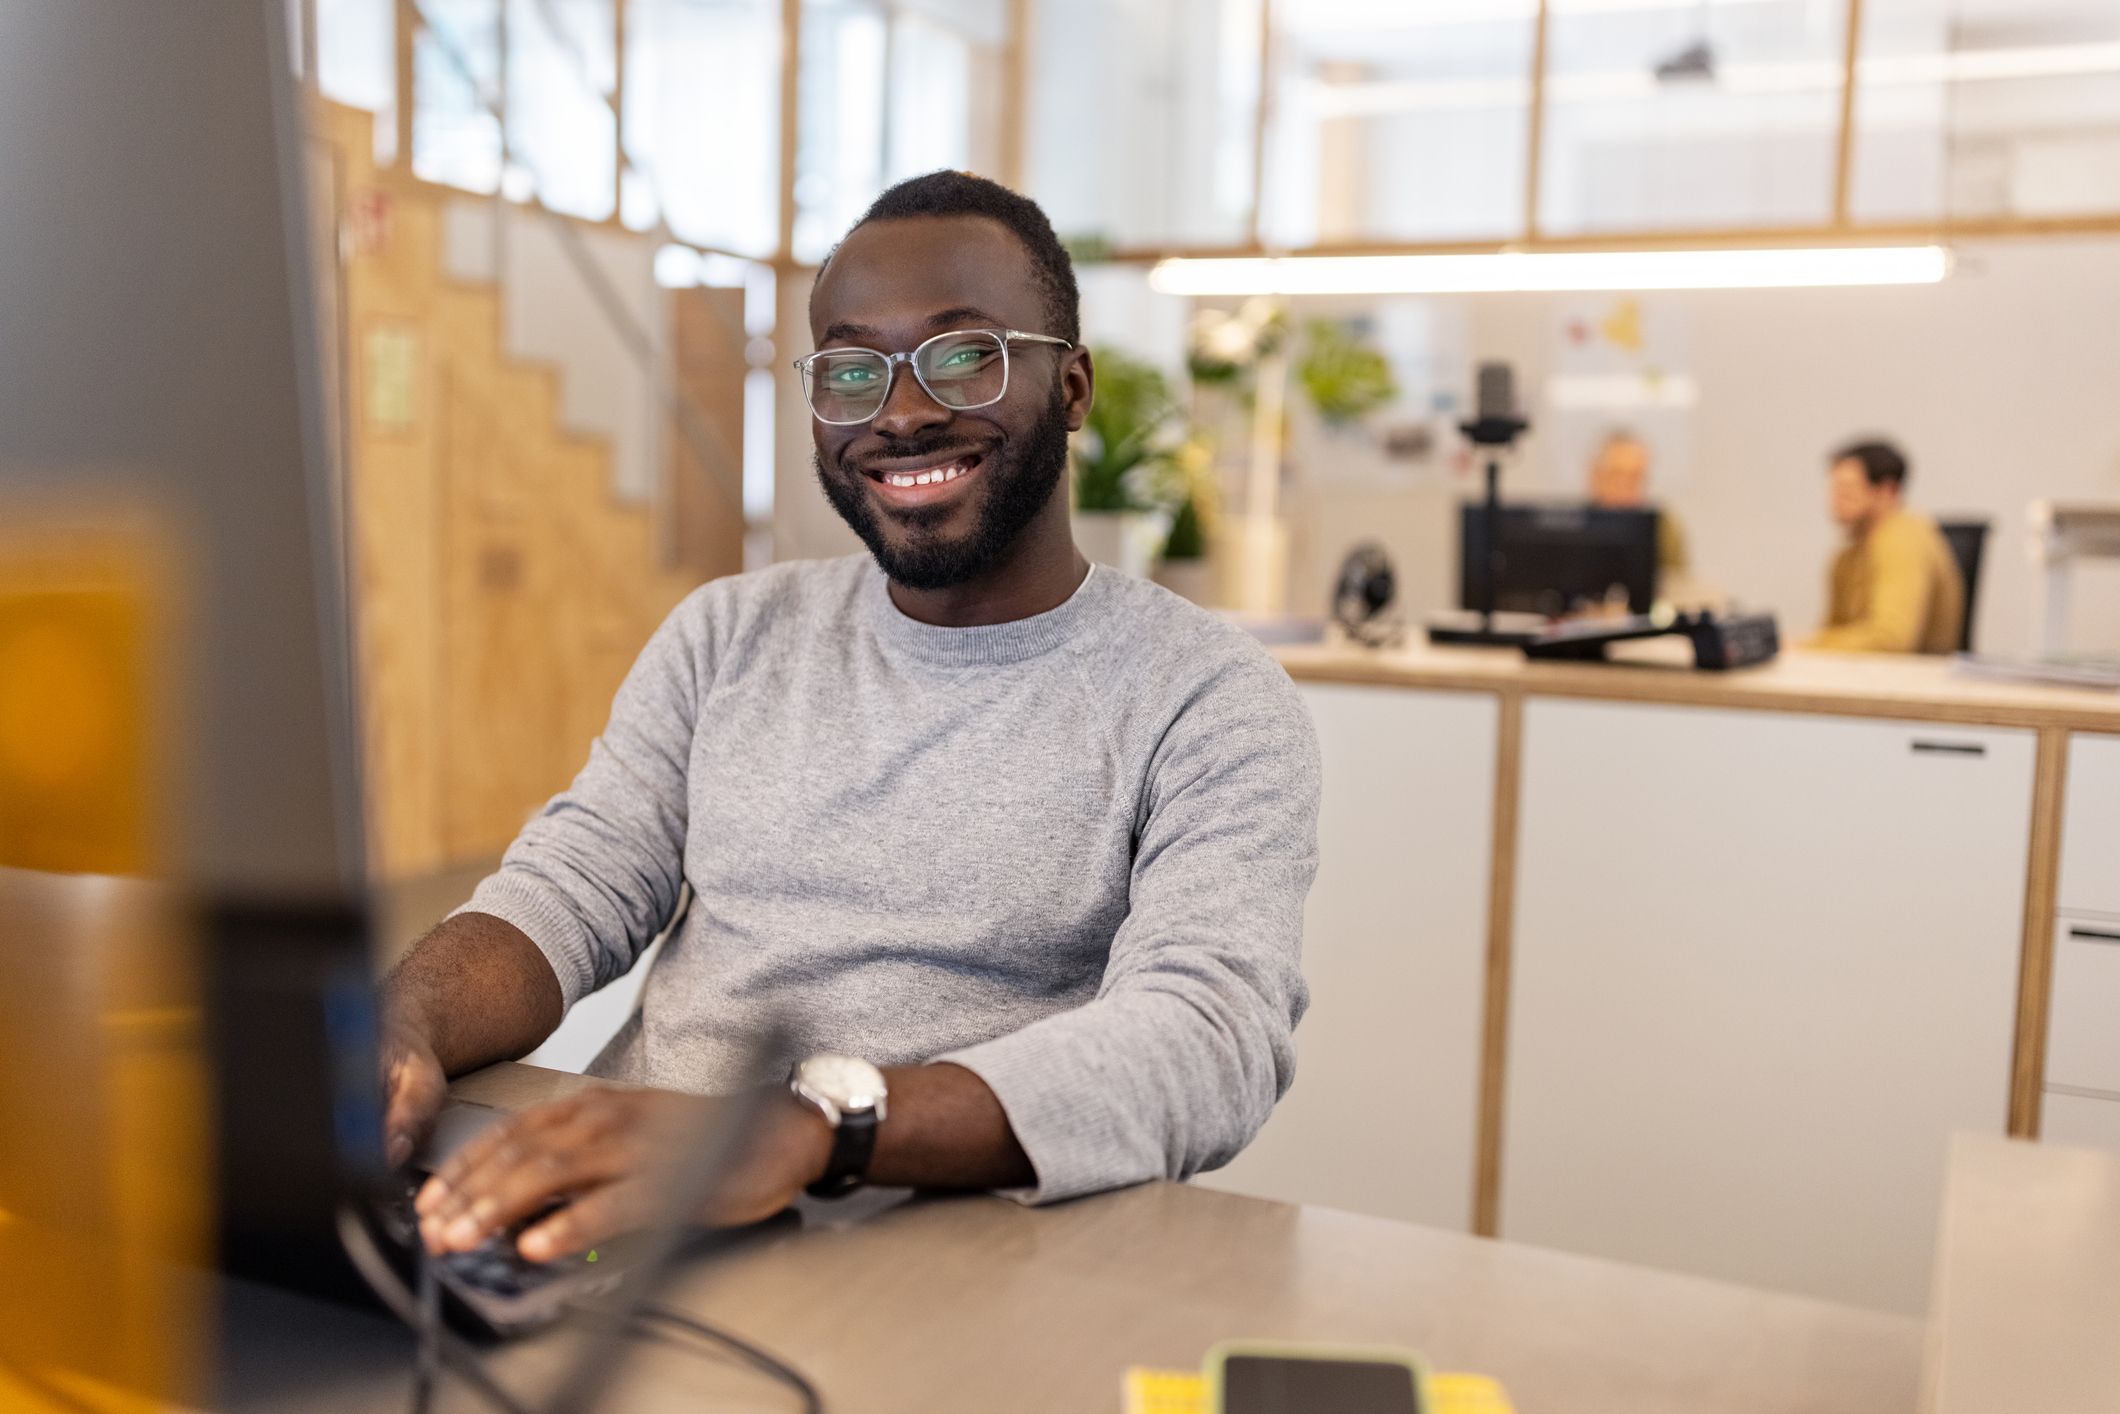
(1185, 1392)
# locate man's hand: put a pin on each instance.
(608, 1154)
(413, 1087)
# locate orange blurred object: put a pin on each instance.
(104, 1217)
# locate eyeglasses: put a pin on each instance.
(961, 370)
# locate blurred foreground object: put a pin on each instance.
(103, 1168)
(173, 677)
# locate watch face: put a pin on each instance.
(848, 1083)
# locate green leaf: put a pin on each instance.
(1132, 405)
(1346, 377)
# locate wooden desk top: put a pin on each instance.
(2027, 1297)
(977, 1304)
(1849, 684)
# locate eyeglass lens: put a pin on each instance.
(966, 370)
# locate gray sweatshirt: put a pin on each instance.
(1068, 853)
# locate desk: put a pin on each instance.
(2027, 1281)
(975, 1304)
(1652, 670)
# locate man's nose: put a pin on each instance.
(907, 410)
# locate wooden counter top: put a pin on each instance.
(1845, 684)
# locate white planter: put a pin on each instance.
(1128, 541)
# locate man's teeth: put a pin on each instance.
(926, 478)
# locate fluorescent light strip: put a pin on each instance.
(1375, 97)
(1510, 271)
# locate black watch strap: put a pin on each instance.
(853, 1144)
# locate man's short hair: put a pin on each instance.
(949, 193)
(1882, 463)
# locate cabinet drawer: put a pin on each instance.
(2087, 1121)
(2083, 1039)
(2090, 827)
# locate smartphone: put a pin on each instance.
(1268, 1377)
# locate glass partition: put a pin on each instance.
(1398, 122)
(1688, 116)
(1141, 119)
(356, 47)
(1983, 109)
(705, 157)
(562, 74)
(456, 84)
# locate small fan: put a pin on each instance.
(1367, 587)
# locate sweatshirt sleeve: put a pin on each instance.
(1187, 1046)
(596, 873)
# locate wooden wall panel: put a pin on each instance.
(501, 591)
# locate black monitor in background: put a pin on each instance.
(1557, 557)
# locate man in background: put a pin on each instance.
(1895, 587)
(1619, 480)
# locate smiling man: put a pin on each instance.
(1014, 849)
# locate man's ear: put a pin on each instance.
(1078, 387)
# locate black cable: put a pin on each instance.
(756, 1356)
(430, 1329)
(390, 1289)
(421, 1311)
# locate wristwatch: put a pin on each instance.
(850, 1094)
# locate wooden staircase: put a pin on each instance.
(501, 591)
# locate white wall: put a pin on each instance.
(805, 527)
(551, 315)
(2003, 383)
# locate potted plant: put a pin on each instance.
(1346, 376)
(1123, 457)
(1184, 568)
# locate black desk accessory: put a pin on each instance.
(1496, 427)
(1365, 591)
(1720, 642)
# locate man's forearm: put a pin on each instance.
(946, 1130)
(478, 990)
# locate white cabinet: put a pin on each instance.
(2090, 826)
(1764, 964)
(2083, 1030)
(1384, 1109)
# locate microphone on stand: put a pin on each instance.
(1497, 420)
(1496, 423)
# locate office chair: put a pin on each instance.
(1968, 541)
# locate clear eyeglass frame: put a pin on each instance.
(1002, 338)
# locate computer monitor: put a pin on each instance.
(1554, 558)
(159, 369)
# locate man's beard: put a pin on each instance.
(1019, 479)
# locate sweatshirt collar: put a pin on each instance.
(983, 645)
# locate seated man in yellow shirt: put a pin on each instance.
(1895, 587)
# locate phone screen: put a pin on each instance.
(1273, 1384)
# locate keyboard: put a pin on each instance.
(493, 1290)
(1720, 641)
